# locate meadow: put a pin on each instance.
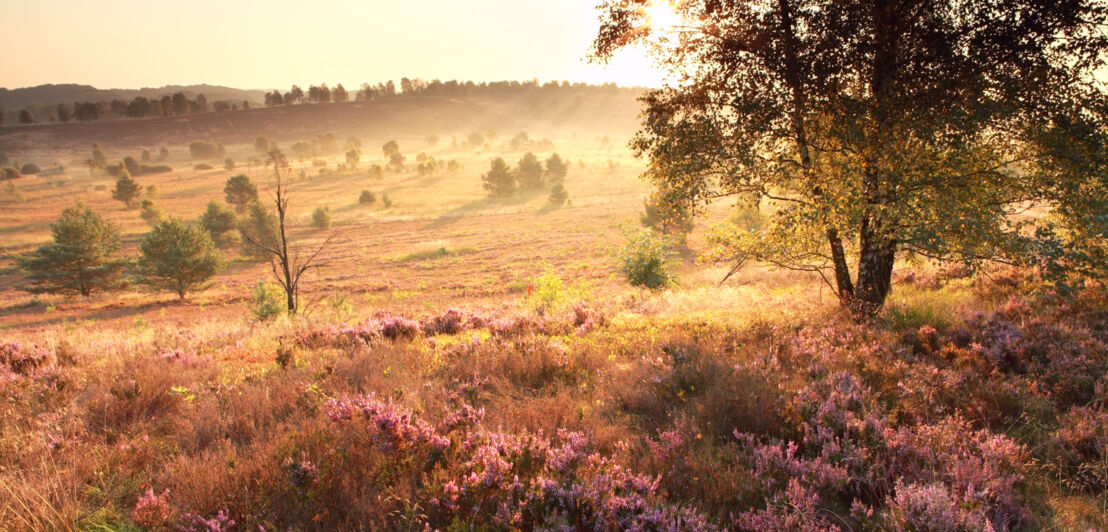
(467, 362)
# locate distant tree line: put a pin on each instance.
(177, 104)
(419, 87)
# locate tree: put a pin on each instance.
(352, 158)
(81, 259)
(150, 211)
(229, 164)
(338, 95)
(259, 225)
(126, 189)
(529, 173)
(25, 117)
(499, 180)
(391, 150)
(287, 263)
(556, 169)
(217, 220)
(666, 217)
(181, 104)
(178, 257)
(558, 195)
(875, 128)
(367, 197)
(261, 144)
(64, 114)
(240, 192)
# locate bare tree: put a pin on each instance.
(287, 266)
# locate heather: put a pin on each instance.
(596, 416)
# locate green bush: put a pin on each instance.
(321, 217)
(150, 211)
(268, 301)
(367, 198)
(550, 293)
(646, 260)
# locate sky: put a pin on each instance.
(270, 44)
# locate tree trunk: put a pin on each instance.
(875, 270)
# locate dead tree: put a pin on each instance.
(287, 266)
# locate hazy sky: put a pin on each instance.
(265, 44)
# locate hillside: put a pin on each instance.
(53, 94)
(597, 111)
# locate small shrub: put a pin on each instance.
(367, 198)
(268, 301)
(386, 200)
(202, 166)
(321, 217)
(30, 169)
(645, 260)
(229, 163)
(150, 211)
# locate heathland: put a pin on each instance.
(466, 361)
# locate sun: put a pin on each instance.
(662, 15)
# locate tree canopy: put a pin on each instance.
(240, 192)
(869, 129)
(177, 257)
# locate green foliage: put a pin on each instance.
(267, 301)
(178, 257)
(259, 230)
(558, 195)
(499, 180)
(550, 293)
(556, 169)
(352, 158)
(666, 217)
(367, 198)
(872, 132)
(202, 149)
(646, 260)
(126, 189)
(240, 192)
(82, 257)
(217, 220)
(150, 211)
(321, 217)
(391, 151)
(529, 174)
